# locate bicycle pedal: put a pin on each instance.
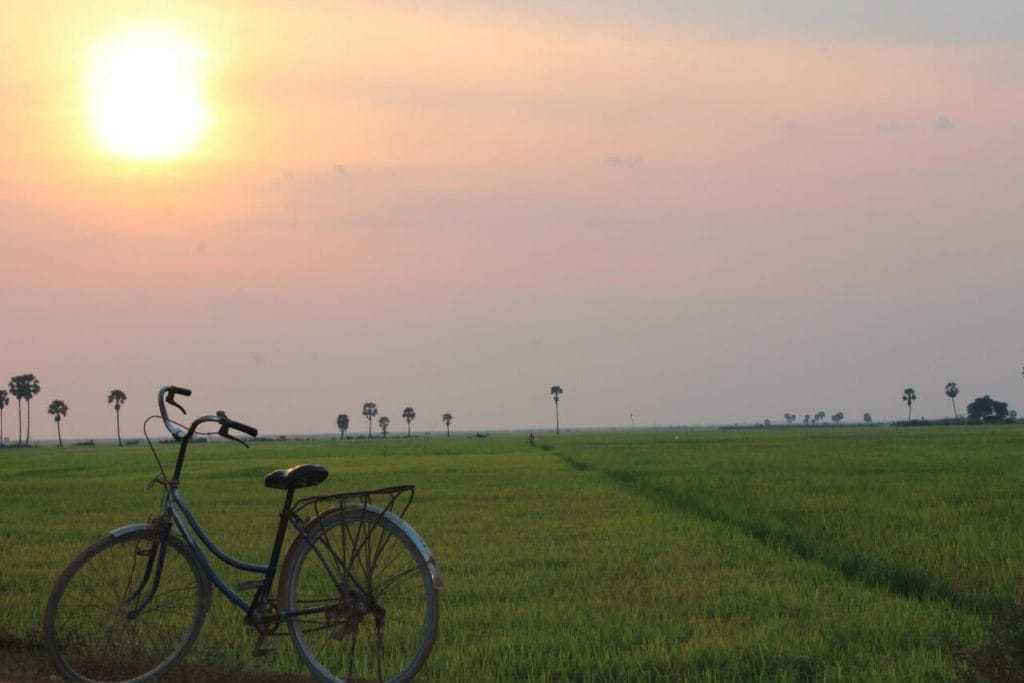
(249, 585)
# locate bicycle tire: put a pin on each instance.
(89, 631)
(375, 587)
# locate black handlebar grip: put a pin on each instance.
(181, 390)
(246, 429)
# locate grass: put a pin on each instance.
(778, 555)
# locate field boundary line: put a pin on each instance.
(889, 577)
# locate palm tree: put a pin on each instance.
(5, 401)
(556, 391)
(33, 388)
(58, 409)
(408, 414)
(343, 425)
(384, 421)
(447, 419)
(117, 397)
(24, 387)
(369, 412)
(909, 396)
(819, 416)
(16, 391)
(867, 418)
(952, 390)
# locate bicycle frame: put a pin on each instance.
(177, 512)
(190, 529)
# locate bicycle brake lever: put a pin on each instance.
(170, 399)
(223, 431)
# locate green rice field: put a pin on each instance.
(787, 554)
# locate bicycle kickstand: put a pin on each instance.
(261, 650)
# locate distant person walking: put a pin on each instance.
(533, 440)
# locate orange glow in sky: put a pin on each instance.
(688, 215)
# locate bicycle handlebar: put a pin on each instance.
(244, 428)
(227, 423)
(167, 395)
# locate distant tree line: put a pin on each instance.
(982, 410)
(370, 411)
(24, 388)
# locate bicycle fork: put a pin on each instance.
(150, 581)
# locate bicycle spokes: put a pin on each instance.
(380, 624)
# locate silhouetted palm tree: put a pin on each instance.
(16, 391)
(909, 396)
(556, 391)
(58, 409)
(447, 419)
(384, 421)
(24, 388)
(343, 424)
(952, 390)
(408, 414)
(867, 418)
(369, 412)
(33, 389)
(5, 401)
(117, 397)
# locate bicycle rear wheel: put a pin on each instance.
(367, 590)
(112, 616)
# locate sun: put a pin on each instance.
(145, 96)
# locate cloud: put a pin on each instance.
(340, 169)
(942, 123)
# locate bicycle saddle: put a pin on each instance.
(298, 477)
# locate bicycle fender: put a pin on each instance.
(421, 546)
(125, 530)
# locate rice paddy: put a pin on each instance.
(841, 554)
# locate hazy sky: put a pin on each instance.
(691, 212)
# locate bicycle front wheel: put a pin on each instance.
(360, 593)
(126, 609)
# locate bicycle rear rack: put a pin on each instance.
(393, 499)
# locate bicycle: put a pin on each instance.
(358, 588)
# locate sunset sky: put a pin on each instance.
(688, 212)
